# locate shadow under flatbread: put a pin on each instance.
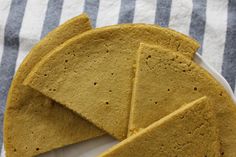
(88, 148)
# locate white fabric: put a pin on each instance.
(214, 39)
(181, 9)
(31, 27)
(4, 9)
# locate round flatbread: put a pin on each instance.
(34, 124)
(92, 73)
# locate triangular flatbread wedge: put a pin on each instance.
(92, 73)
(165, 80)
(34, 124)
(188, 131)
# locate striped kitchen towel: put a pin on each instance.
(24, 22)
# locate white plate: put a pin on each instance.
(94, 147)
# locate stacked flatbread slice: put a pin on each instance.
(165, 80)
(188, 131)
(79, 83)
(33, 123)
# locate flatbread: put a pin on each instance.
(92, 73)
(34, 124)
(188, 131)
(165, 80)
